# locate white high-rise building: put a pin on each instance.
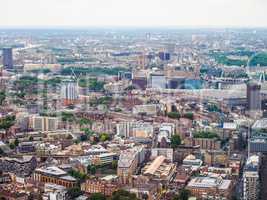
(69, 92)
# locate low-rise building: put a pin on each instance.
(204, 143)
(103, 159)
(54, 192)
(159, 169)
(210, 188)
(192, 162)
(167, 152)
(54, 175)
(21, 167)
(150, 109)
(99, 186)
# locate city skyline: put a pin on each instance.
(82, 13)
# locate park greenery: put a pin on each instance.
(84, 122)
(177, 115)
(92, 84)
(65, 60)
(189, 115)
(106, 100)
(205, 134)
(223, 57)
(118, 195)
(26, 85)
(97, 196)
(40, 71)
(123, 195)
(88, 131)
(78, 175)
(67, 116)
(259, 59)
(92, 71)
(174, 115)
(54, 81)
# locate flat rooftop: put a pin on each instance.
(208, 182)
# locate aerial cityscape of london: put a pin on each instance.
(133, 100)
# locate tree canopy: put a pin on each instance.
(175, 141)
(123, 195)
(97, 196)
(205, 134)
(174, 115)
(7, 122)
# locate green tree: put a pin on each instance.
(184, 194)
(123, 195)
(96, 85)
(30, 138)
(104, 137)
(7, 122)
(213, 108)
(84, 122)
(176, 197)
(87, 131)
(78, 175)
(67, 116)
(83, 137)
(12, 146)
(175, 141)
(97, 196)
(114, 164)
(205, 134)
(189, 115)
(74, 192)
(2, 152)
(16, 142)
(2, 97)
(69, 137)
(174, 115)
(91, 169)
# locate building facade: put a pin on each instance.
(7, 58)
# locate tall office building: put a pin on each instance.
(7, 58)
(164, 56)
(251, 178)
(142, 61)
(254, 99)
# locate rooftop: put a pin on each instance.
(260, 124)
(52, 170)
(155, 165)
(208, 182)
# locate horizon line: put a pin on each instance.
(21, 27)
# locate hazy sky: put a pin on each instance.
(133, 13)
